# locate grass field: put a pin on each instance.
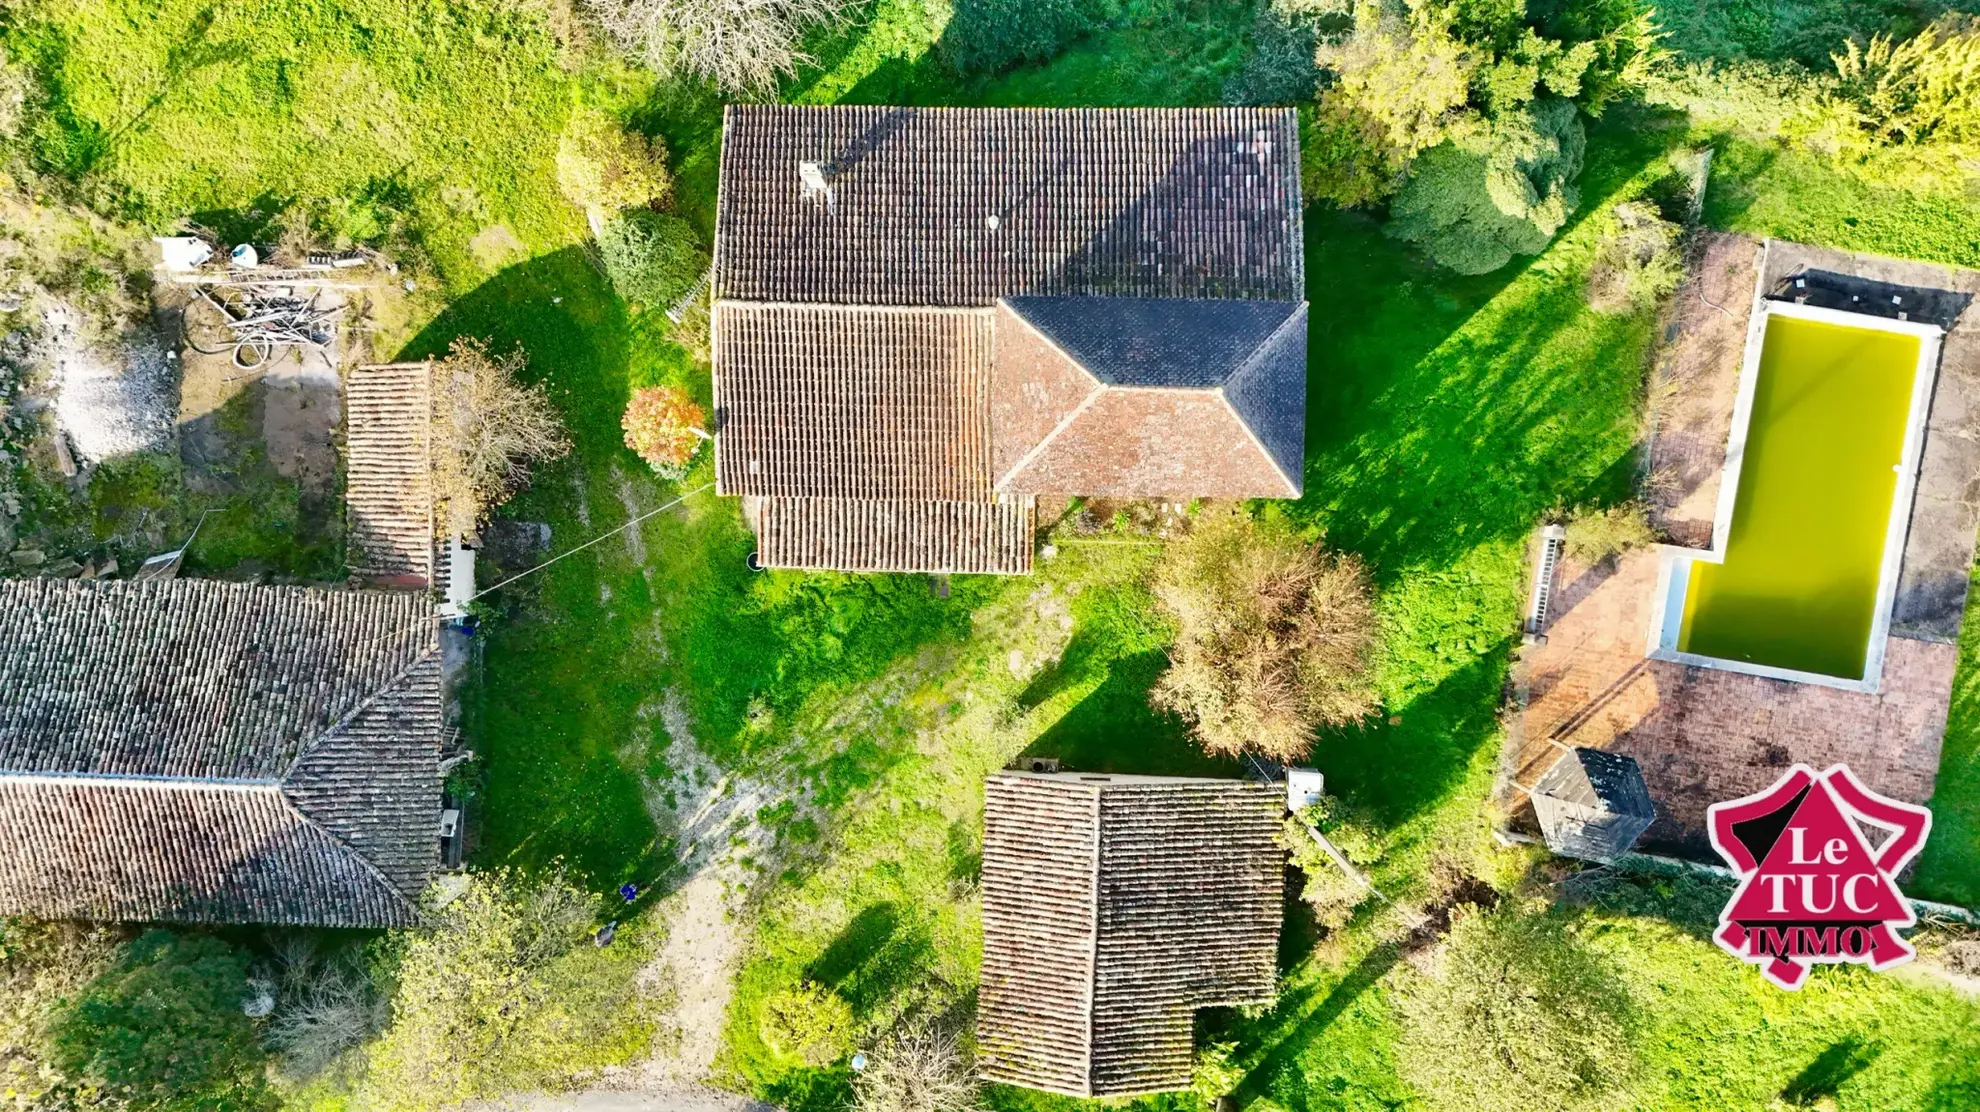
(1445, 415)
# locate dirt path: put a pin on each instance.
(712, 816)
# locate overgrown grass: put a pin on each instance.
(412, 122)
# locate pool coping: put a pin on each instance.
(1674, 564)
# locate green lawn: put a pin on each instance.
(1446, 414)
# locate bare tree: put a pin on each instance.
(923, 1069)
(488, 427)
(743, 46)
(326, 1005)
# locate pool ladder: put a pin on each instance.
(1552, 539)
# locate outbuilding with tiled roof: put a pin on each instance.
(1114, 908)
(199, 751)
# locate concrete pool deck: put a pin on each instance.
(1701, 734)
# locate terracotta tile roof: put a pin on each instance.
(202, 751)
(1114, 908)
(926, 305)
(960, 206)
(831, 401)
(388, 478)
(873, 535)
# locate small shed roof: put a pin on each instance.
(1115, 907)
(1593, 804)
(217, 752)
(388, 477)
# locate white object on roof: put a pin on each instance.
(182, 253)
(245, 256)
(1304, 787)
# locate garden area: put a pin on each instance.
(777, 776)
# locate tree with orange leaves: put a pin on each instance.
(663, 425)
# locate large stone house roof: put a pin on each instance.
(926, 317)
(201, 751)
(1115, 907)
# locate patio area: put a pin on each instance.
(1700, 734)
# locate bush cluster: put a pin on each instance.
(652, 258)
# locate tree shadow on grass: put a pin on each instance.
(1830, 1071)
(1297, 1022)
(874, 957)
(1115, 729)
(1398, 766)
(1447, 411)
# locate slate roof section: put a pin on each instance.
(199, 751)
(1115, 907)
(1593, 804)
(960, 206)
(1150, 398)
(1155, 341)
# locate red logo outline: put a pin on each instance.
(1773, 919)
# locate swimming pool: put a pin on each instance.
(1813, 504)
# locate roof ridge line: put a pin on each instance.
(179, 783)
(360, 707)
(1099, 387)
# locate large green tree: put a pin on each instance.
(1534, 1019)
(1494, 189)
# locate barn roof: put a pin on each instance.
(217, 752)
(1115, 907)
(891, 283)
(1593, 804)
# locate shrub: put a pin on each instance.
(1536, 1020)
(487, 429)
(921, 1070)
(808, 1022)
(1280, 68)
(44, 968)
(1494, 190)
(990, 36)
(742, 46)
(1274, 638)
(1637, 262)
(324, 1007)
(505, 992)
(652, 258)
(664, 426)
(1333, 893)
(162, 1028)
(1594, 535)
(602, 166)
(1923, 90)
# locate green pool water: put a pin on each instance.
(1798, 588)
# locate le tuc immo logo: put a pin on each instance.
(1812, 887)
